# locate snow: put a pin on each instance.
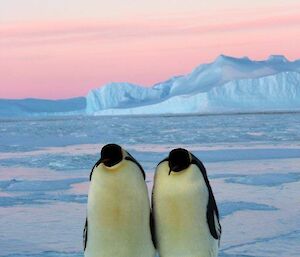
(36, 185)
(227, 85)
(271, 179)
(252, 162)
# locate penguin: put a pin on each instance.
(185, 214)
(118, 209)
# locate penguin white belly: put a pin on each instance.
(180, 204)
(118, 214)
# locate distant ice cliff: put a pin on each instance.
(226, 85)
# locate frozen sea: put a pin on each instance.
(253, 162)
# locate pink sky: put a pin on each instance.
(64, 48)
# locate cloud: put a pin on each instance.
(13, 34)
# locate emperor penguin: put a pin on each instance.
(185, 213)
(118, 210)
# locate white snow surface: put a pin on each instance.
(252, 161)
(226, 85)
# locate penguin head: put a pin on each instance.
(179, 159)
(111, 155)
(113, 158)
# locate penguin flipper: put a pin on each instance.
(152, 229)
(212, 216)
(212, 213)
(85, 231)
(218, 226)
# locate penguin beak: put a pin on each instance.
(109, 162)
(175, 169)
(106, 162)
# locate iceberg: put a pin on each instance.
(41, 107)
(121, 95)
(226, 85)
(280, 92)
